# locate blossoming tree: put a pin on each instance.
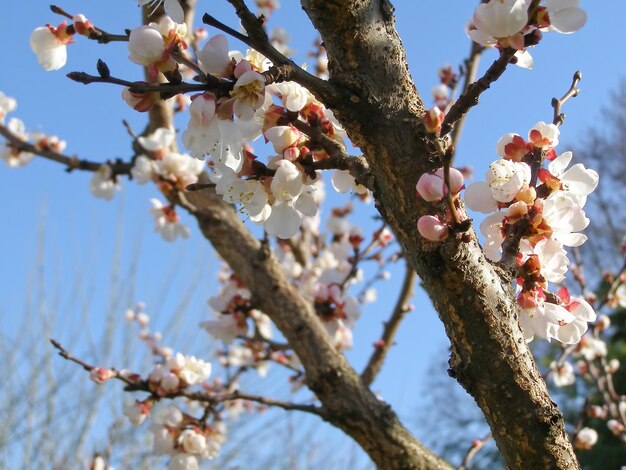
(493, 297)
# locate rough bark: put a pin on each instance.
(378, 104)
(349, 404)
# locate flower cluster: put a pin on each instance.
(152, 45)
(186, 439)
(13, 154)
(543, 208)
(510, 24)
(246, 331)
(279, 194)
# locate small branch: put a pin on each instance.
(360, 256)
(611, 291)
(316, 410)
(510, 245)
(557, 104)
(142, 386)
(446, 179)
(181, 58)
(66, 355)
(477, 444)
(400, 310)
(470, 97)
(118, 167)
(137, 87)
(339, 158)
(257, 38)
(97, 34)
(471, 68)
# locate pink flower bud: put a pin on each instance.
(457, 181)
(432, 228)
(433, 119)
(595, 411)
(82, 25)
(99, 375)
(431, 187)
(146, 45)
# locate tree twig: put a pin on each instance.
(470, 97)
(470, 70)
(138, 87)
(476, 446)
(557, 104)
(142, 386)
(118, 167)
(339, 158)
(97, 34)
(400, 310)
(257, 38)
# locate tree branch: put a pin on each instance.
(143, 386)
(97, 34)
(381, 111)
(470, 97)
(339, 159)
(557, 104)
(72, 163)
(476, 446)
(469, 77)
(369, 421)
(257, 39)
(385, 343)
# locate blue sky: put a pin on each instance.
(81, 231)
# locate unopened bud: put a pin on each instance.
(100, 375)
(433, 119)
(432, 228)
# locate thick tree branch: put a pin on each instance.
(369, 421)
(381, 111)
(392, 325)
(347, 403)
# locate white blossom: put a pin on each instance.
(506, 178)
(103, 184)
(167, 222)
(50, 46)
(7, 104)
